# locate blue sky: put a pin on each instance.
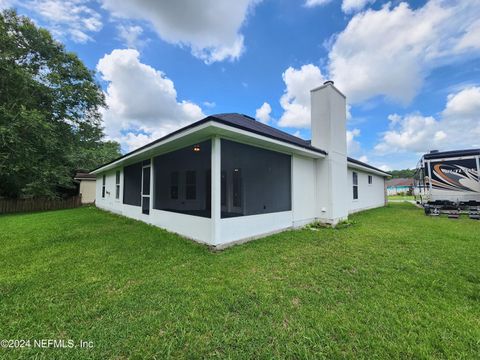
(411, 71)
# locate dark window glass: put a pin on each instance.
(146, 181)
(355, 185)
(237, 187)
(178, 194)
(132, 184)
(370, 179)
(261, 183)
(224, 188)
(174, 185)
(103, 185)
(190, 185)
(146, 205)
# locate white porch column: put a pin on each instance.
(216, 190)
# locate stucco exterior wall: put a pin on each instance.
(306, 206)
(304, 197)
(369, 195)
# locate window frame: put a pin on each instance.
(355, 185)
(104, 181)
(370, 179)
(117, 185)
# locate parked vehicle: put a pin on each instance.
(449, 182)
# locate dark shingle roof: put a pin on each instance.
(400, 182)
(84, 175)
(246, 123)
(238, 121)
(358, 162)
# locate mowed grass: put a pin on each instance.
(401, 197)
(395, 284)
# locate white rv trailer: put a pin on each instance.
(449, 181)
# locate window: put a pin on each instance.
(191, 185)
(146, 181)
(174, 185)
(370, 179)
(132, 184)
(117, 185)
(182, 180)
(254, 181)
(237, 187)
(103, 185)
(146, 189)
(355, 186)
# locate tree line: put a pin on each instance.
(50, 120)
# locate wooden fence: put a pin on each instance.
(38, 204)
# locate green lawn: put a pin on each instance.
(401, 197)
(395, 284)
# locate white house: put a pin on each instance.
(229, 178)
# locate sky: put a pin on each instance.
(410, 70)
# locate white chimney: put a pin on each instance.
(328, 126)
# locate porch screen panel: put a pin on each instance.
(132, 184)
(254, 180)
(182, 180)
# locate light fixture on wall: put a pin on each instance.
(196, 148)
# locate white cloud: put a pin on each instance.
(353, 146)
(464, 104)
(390, 51)
(296, 99)
(142, 101)
(363, 158)
(263, 113)
(130, 34)
(4, 4)
(471, 38)
(313, 3)
(210, 28)
(349, 6)
(457, 127)
(73, 19)
(209, 104)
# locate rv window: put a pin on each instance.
(117, 185)
(191, 185)
(103, 185)
(355, 186)
(370, 179)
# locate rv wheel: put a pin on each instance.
(427, 210)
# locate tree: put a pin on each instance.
(406, 173)
(50, 123)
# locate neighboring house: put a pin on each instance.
(399, 186)
(87, 186)
(229, 178)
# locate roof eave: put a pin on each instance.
(210, 127)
